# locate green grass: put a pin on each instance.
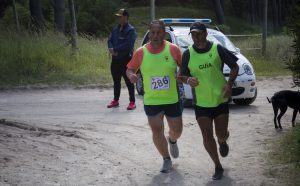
(266, 68)
(30, 59)
(278, 52)
(284, 159)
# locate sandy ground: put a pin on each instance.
(69, 137)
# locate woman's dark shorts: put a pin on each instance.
(211, 112)
(170, 110)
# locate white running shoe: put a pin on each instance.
(167, 165)
(174, 151)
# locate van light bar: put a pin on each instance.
(185, 20)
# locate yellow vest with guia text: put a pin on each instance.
(207, 67)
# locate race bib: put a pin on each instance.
(160, 83)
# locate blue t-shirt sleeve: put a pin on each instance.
(185, 62)
(227, 56)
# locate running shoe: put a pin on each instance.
(131, 105)
(167, 165)
(174, 151)
(218, 173)
(113, 103)
(223, 149)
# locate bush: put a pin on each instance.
(294, 63)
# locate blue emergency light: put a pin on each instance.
(185, 20)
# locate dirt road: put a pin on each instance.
(69, 137)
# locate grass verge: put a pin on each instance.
(278, 52)
(284, 161)
(46, 59)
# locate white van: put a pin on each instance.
(244, 91)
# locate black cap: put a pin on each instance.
(197, 27)
(122, 12)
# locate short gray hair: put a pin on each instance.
(158, 22)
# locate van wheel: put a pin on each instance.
(139, 84)
(246, 101)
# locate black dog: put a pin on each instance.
(282, 100)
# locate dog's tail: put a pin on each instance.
(269, 100)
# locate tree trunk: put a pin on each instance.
(275, 16)
(253, 11)
(219, 12)
(16, 16)
(36, 15)
(265, 26)
(152, 9)
(59, 15)
(237, 8)
(280, 18)
(73, 27)
(259, 13)
(222, 5)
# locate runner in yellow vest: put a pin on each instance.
(158, 61)
(202, 69)
(159, 81)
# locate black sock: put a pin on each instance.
(219, 166)
(167, 158)
(172, 141)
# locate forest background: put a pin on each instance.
(37, 35)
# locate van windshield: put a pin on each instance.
(184, 41)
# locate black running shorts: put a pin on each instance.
(170, 110)
(211, 112)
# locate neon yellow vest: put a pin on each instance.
(207, 67)
(158, 71)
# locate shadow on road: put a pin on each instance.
(171, 178)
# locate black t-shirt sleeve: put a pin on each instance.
(227, 56)
(185, 62)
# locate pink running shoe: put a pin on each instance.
(131, 105)
(113, 103)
